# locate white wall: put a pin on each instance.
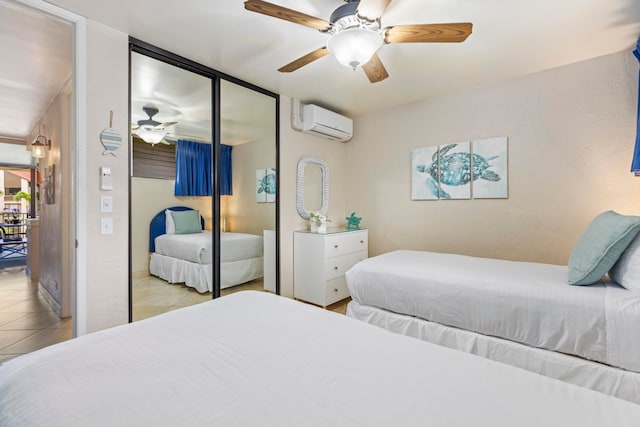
(107, 269)
(571, 132)
(244, 214)
(293, 146)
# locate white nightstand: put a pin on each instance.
(320, 261)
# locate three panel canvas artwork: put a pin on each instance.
(471, 169)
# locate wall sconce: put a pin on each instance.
(39, 144)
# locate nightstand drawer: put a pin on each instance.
(337, 266)
(336, 290)
(345, 243)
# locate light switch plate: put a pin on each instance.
(106, 204)
(106, 226)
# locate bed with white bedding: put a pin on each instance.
(187, 258)
(298, 366)
(520, 313)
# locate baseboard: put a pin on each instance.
(50, 299)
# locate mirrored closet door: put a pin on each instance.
(248, 189)
(203, 184)
(171, 191)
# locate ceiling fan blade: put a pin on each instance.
(301, 62)
(375, 69)
(165, 125)
(429, 33)
(276, 11)
(372, 9)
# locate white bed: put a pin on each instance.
(297, 366)
(520, 313)
(187, 258)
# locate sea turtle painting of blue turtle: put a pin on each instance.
(267, 184)
(456, 169)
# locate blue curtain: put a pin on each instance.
(226, 183)
(635, 163)
(193, 169)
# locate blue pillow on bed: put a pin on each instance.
(600, 246)
(187, 222)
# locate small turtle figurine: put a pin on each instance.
(353, 222)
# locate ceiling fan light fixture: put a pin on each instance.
(354, 47)
(151, 136)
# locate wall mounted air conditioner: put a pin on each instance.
(321, 122)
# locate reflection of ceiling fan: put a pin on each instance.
(356, 34)
(150, 130)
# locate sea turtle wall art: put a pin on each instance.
(266, 185)
(456, 171)
(495, 149)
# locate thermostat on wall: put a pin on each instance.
(106, 182)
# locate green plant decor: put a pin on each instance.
(22, 195)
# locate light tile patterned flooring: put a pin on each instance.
(153, 296)
(27, 322)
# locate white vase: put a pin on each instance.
(322, 228)
(313, 227)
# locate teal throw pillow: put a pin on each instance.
(600, 246)
(187, 221)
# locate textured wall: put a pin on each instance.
(55, 218)
(244, 214)
(293, 146)
(571, 132)
(104, 295)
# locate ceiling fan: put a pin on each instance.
(356, 34)
(149, 130)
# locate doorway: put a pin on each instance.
(37, 269)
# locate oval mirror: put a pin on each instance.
(312, 186)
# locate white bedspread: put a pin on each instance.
(196, 247)
(528, 303)
(255, 359)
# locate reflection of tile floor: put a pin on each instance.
(27, 322)
(153, 296)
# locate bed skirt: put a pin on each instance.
(585, 373)
(200, 276)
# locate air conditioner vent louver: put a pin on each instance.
(326, 124)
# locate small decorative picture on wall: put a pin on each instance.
(454, 171)
(460, 170)
(49, 185)
(423, 185)
(266, 185)
(490, 168)
(441, 172)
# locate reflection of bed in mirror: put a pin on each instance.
(179, 257)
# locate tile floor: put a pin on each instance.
(27, 322)
(153, 296)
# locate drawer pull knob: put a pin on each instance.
(361, 241)
(335, 268)
(335, 290)
(335, 246)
